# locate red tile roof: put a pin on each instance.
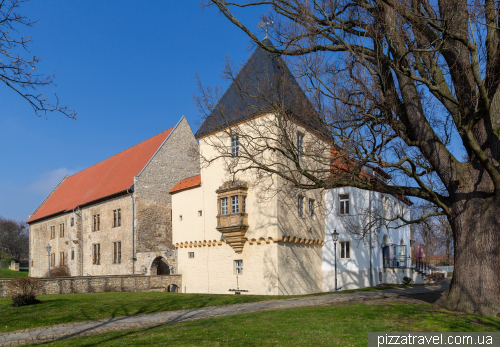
(187, 183)
(108, 177)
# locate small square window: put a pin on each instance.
(238, 267)
(191, 255)
(200, 213)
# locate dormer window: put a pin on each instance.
(235, 146)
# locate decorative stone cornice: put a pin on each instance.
(261, 240)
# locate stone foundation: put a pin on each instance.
(100, 284)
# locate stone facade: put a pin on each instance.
(145, 233)
(99, 284)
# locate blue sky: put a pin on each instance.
(126, 67)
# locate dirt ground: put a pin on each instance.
(407, 299)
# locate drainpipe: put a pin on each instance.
(133, 235)
(81, 238)
(370, 236)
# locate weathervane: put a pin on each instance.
(266, 26)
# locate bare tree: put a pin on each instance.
(393, 83)
(14, 239)
(17, 72)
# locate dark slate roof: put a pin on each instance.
(265, 80)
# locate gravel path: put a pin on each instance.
(55, 332)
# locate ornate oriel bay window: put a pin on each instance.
(232, 219)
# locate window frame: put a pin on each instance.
(96, 222)
(345, 252)
(343, 203)
(312, 213)
(235, 203)
(235, 146)
(300, 143)
(52, 259)
(61, 229)
(300, 206)
(72, 223)
(190, 255)
(223, 204)
(117, 218)
(52, 232)
(238, 267)
(96, 254)
(117, 252)
(200, 213)
(61, 259)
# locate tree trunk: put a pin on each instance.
(475, 287)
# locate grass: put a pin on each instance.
(68, 308)
(310, 326)
(6, 273)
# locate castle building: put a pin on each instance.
(114, 218)
(240, 228)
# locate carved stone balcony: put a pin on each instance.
(234, 227)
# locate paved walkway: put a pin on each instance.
(60, 331)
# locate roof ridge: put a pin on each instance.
(126, 149)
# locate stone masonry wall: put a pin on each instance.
(176, 160)
(99, 284)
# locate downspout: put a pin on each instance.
(81, 238)
(133, 231)
(370, 245)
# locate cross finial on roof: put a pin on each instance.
(265, 25)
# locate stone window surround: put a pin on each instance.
(117, 217)
(117, 252)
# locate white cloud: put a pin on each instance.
(49, 180)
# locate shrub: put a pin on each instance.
(58, 271)
(24, 300)
(23, 290)
(406, 280)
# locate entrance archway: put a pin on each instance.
(160, 267)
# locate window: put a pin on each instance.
(344, 203)
(117, 252)
(234, 204)
(117, 218)
(191, 254)
(244, 207)
(300, 206)
(238, 267)
(72, 255)
(200, 214)
(235, 146)
(72, 221)
(344, 250)
(180, 217)
(97, 222)
(61, 258)
(96, 254)
(300, 142)
(53, 232)
(52, 259)
(61, 230)
(223, 206)
(311, 208)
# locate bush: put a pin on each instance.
(23, 290)
(58, 271)
(406, 280)
(24, 300)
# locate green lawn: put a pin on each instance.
(311, 326)
(67, 308)
(6, 273)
